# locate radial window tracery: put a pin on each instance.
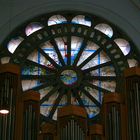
(68, 63)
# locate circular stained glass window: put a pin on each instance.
(70, 61)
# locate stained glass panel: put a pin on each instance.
(92, 111)
(108, 84)
(90, 48)
(97, 60)
(44, 91)
(76, 43)
(5, 60)
(74, 100)
(81, 19)
(33, 27)
(14, 43)
(95, 93)
(86, 101)
(123, 45)
(62, 46)
(46, 107)
(132, 62)
(56, 19)
(28, 84)
(37, 57)
(49, 50)
(105, 71)
(105, 28)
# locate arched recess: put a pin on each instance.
(89, 6)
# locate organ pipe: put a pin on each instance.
(113, 114)
(9, 77)
(72, 123)
(30, 115)
(72, 131)
(132, 98)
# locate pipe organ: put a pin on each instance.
(114, 117)
(132, 96)
(30, 115)
(120, 113)
(72, 123)
(23, 119)
(9, 77)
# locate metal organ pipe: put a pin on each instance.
(64, 133)
(114, 121)
(72, 137)
(29, 120)
(136, 112)
(137, 108)
(132, 92)
(114, 125)
(132, 116)
(7, 122)
(113, 117)
(30, 101)
(72, 116)
(72, 131)
(110, 127)
(78, 134)
(69, 135)
(117, 125)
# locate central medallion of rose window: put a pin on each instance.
(68, 77)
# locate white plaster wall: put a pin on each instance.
(122, 13)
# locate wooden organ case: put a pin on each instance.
(96, 132)
(48, 131)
